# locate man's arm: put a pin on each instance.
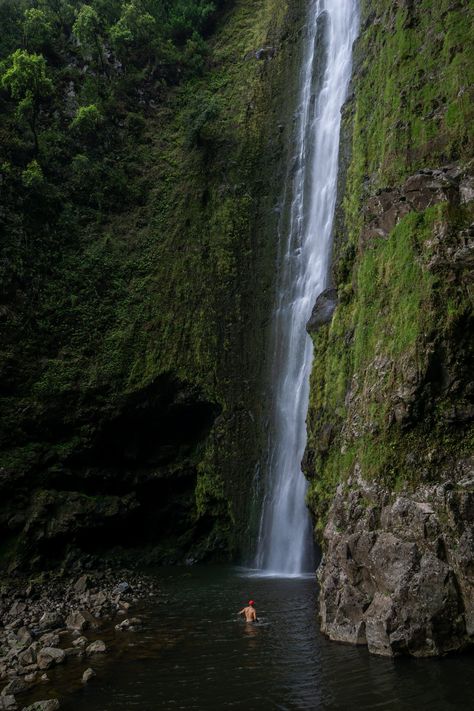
(241, 612)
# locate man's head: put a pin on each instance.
(251, 603)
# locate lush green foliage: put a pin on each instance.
(59, 60)
(137, 235)
(378, 398)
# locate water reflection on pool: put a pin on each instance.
(194, 654)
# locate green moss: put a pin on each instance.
(171, 271)
(379, 398)
(393, 292)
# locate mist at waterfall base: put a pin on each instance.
(285, 540)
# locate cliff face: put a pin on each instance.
(134, 329)
(389, 453)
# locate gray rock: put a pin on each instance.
(15, 686)
(28, 656)
(24, 637)
(97, 647)
(73, 652)
(17, 609)
(397, 569)
(50, 656)
(51, 621)
(47, 705)
(83, 584)
(15, 624)
(80, 642)
(121, 588)
(91, 621)
(76, 621)
(323, 310)
(50, 639)
(8, 703)
(121, 626)
(99, 598)
(265, 53)
(88, 675)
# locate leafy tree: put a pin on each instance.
(32, 176)
(87, 119)
(27, 81)
(88, 30)
(135, 30)
(189, 16)
(61, 10)
(37, 28)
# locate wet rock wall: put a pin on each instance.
(390, 424)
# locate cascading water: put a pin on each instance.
(285, 541)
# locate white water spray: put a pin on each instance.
(285, 540)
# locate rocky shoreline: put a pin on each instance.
(46, 621)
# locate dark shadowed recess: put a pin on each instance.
(127, 490)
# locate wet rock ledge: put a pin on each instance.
(47, 621)
(398, 571)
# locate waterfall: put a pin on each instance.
(285, 540)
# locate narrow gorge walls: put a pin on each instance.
(137, 285)
(390, 423)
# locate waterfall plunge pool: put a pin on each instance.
(194, 654)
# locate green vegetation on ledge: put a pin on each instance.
(391, 392)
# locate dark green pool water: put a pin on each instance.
(193, 654)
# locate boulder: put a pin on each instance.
(397, 569)
(17, 609)
(121, 588)
(24, 637)
(323, 310)
(50, 639)
(73, 652)
(47, 705)
(28, 656)
(15, 686)
(98, 599)
(128, 624)
(91, 621)
(265, 53)
(83, 584)
(88, 675)
(50, 656)
(97, 647)
(76, 621)
(8, 703)
(80, 642)
(51, 621)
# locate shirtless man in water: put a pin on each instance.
(249, 612)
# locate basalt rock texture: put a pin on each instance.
(390, 423)
(398, 574)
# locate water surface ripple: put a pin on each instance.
(193, 654)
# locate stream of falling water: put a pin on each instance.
(285, 541)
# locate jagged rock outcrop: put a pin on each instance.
(398, 571)
(323, 310)
(422, 190)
